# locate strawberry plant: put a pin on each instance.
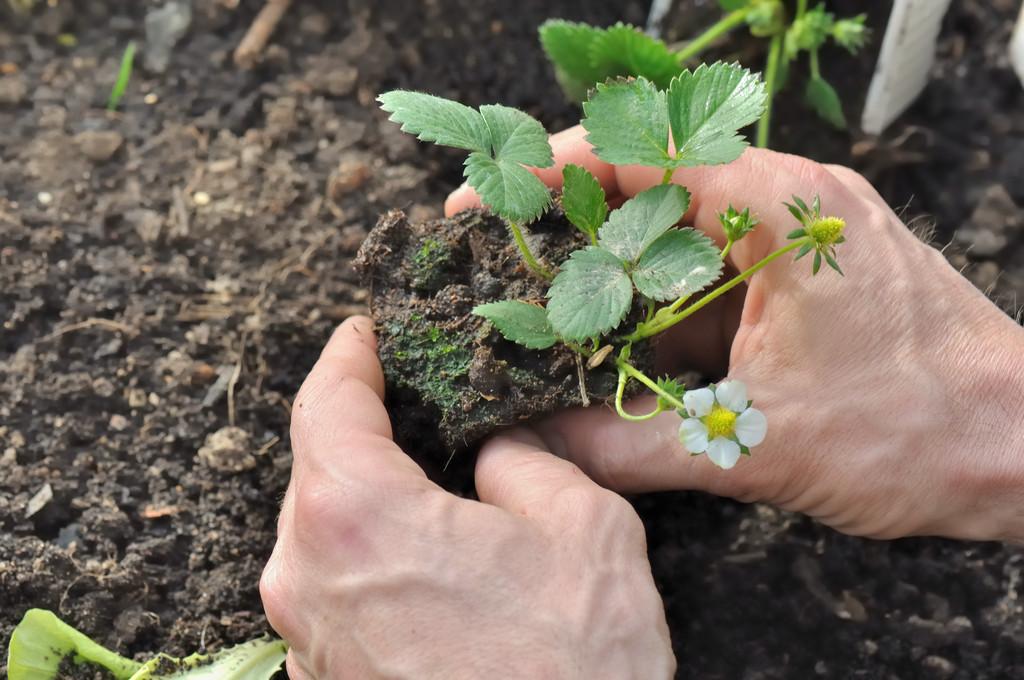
(635, 273)
(584, 55)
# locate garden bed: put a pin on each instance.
(170, 273)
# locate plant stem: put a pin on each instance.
(770, 77)
(645, 331)
(801, 8)
(727, 248)
(627, 370)
(531, 262)
(623, 379)
(721, 27)
(815, 65)
(667, 176)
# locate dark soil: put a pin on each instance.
(162, 299)
(452, 379)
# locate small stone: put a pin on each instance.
(39, 500)
(148, 223)
(940, 666)
(118, 422)
(102, 387)
(99, 145)
(12, 89)
(136, 397)
(151, 98)
(9, 457)
(201, 198)
(44, 198)
(351, 174)
(227, 450)
(315, 23)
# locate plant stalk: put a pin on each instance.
(524, 249)
(627, 370)
(625, 415)
(719, 28)
(770, 77)
(646, 331)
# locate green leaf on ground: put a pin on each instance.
(507, 187)
(590, 296)
(520, 322)
(517, 136)
(627, 122)
(42, 642)
(642, 219)
(624, 50)
(568, 45)
(438, 120)
(824, 99)
(583, 199)
(681, 262)
(707, 108)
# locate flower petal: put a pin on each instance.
(723, 452)
(751, 427)
(693, 435)
(698, 403)
(732, 394)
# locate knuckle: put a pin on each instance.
(278, 597)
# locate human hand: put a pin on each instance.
(894, 396)
(379, 573)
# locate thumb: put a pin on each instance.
(631, 457)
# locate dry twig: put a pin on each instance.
(248, 51)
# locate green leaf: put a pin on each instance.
(438, 120)
(41, 643)
(804, 249)
(507, 187)
(520, 322)
(851, 33)
(642, 219)
(627, 123)
(674, 388)
(568, 45)
(823, 98)
(810, 32)
(733, 5)
(624, 50)
(707, 107)
(590, 296)
(817, 263)
(832, 263)
(517, 136)
(583, 199)
(681, 262)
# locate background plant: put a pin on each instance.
(584, 55)
(633, 259)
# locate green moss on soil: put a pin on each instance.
(429, 264)
(440, 358)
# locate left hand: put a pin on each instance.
(379, 573)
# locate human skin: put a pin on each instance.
(379, 573)
(894, 395)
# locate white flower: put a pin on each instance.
(721, 422)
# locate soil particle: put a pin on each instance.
(228, 450)
(99, 145)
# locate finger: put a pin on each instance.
(515, 472)
(345, 389)
(630, 457)
(339, 424)
(759, 179)
(568, 146)
(857, 184)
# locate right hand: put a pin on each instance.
(894, 396)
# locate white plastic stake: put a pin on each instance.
(905, 61)
(1017, 47)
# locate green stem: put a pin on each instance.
(531, 262)
(721, 27)
(815, 65)
(646, 331)
(801, 8)
(727, 248)
(770, 78)
(667, 176)
(627, 369)
(619, 392)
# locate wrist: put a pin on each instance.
(987, 474)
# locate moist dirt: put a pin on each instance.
(169, 273)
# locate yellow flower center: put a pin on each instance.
(720, 422)
(826, 230)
